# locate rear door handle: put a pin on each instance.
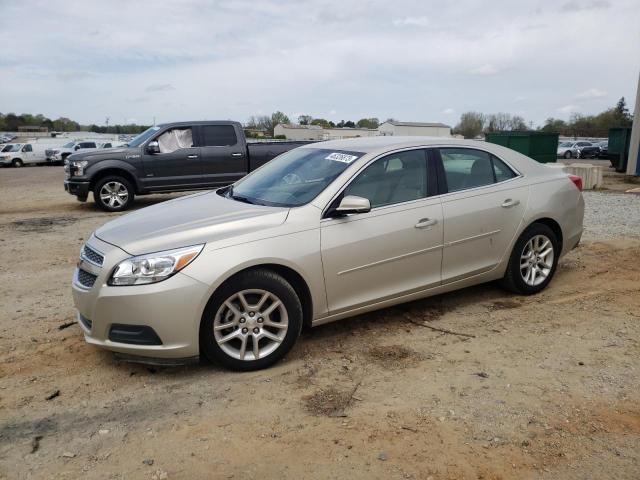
(238, 154)
(508, 203)
(192, 156)
(426, 222)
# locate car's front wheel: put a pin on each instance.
(533, 260)
(113, 194)
(17, 163)
(251, 321)
(568, 154)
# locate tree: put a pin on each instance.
(322, 122)
(470, 125)
(349, 124)
(368, 123)
(554, 125)
(305, 119)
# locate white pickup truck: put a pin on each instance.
(20, 154)
(59, 154)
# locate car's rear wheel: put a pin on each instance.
(17, 163)
(113, 194)
(533, 260)
(251, 321)
(568, 154)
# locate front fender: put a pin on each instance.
(103, 166)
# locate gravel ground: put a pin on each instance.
(611, 215)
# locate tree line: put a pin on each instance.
(474, 124)
(11, 122)
(267, 123)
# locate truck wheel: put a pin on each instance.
(113, 194)
(251, 321)
(17, 163)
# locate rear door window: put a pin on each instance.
(218, 136)
(27, 148)
(87, 145)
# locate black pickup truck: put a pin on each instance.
(170, 157)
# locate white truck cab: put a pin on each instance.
(59, 154)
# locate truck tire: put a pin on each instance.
(113, 193)
(17, 163)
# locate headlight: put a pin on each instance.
(153, 267)
(79, 167)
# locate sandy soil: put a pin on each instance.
(547, 386)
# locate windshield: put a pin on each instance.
(13, 148)
(140, 139)
(294, 178)
(7, 148)
(566, 144)
(69, 145)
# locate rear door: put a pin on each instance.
(177, 165)
(223, 154)
(483, 204)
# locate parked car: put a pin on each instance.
(59, 154)
(578, 149)
(20, 154)
(603, 148)
(168, 158)
(323, 232)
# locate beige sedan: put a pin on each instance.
(323, 232)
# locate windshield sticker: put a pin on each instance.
(341, 157)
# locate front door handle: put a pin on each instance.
(508, 203)
(426, 222)
(192, 156)
(237, 154)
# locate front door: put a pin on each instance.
(483, 205)
(223, 156)
(178, 163)
(394, 249)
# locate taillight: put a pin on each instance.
(577, 181)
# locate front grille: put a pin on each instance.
(91, 255)
(86, 279)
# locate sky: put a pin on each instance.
(136, 61)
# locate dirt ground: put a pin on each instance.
(546, 386)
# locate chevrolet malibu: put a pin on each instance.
(321, 233)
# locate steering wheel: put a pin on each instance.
(291, 178)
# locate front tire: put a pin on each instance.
(17, 163)
(113, 194)
(251, 321)
(533, 260)
(568, 154)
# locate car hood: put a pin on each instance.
(192, 220)
(96, 154)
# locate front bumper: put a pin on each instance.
(171, 309)
(78, 188)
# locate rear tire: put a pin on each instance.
(113, 194)
(531, 265)
(17, 163)
(256, 311)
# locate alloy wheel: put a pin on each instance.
(536, 260)
(114, 194)
(250, 324)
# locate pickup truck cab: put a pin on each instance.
(167, 158)
(20, 154)
(60, 154)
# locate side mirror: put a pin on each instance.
(353, 204)
(77, 147)
(153, 147)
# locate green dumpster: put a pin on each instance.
(618, 149)
(541, 146)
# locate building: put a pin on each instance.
(396, 128)
(346, 132)
(298, 132)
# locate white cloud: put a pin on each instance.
(486, 69)
(566, 109)
(592, 93)
(411, 21)
(163, 87)
(332, 112)
(448, 111)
